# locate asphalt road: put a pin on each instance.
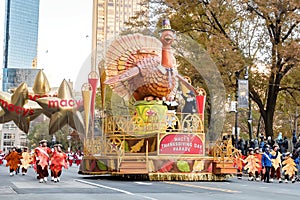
(74, 186)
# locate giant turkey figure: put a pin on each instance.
(142, 66)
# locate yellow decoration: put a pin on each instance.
(151, 166)
(137, 147)
(16, 107)
(62, 110)
(87, 96)
(41, 84)
(289, 166)
(152, 148)
(26, 159)
(87, 165)
(277, 161)
(112, 164)
(198, 166)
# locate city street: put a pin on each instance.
(75, 186)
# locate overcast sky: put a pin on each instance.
(64, 43)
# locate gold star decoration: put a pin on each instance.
(41, 88)
(16, 107)
(62, 109)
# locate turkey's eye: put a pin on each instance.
(168, 38)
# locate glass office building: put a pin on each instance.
(20, 38)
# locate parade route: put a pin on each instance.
(75, 186)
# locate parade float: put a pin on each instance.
(155, 129)
(151, 124)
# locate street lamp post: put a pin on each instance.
(246, 77)
(250, 107)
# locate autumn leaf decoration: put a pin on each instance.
(137, 147)
(252, 164)
(238, 162)
(166, 167)
(277, 161)
(289, 167)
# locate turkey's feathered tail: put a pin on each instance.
(122, 59)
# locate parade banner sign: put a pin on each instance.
(173, 144)
(243, 94)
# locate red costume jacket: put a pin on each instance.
(58, 160)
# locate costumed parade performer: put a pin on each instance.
(259, 171)
(42, 158)
(78, 157)
(266, 162)
(252, 164)
(13, 161)
(289, 168)
(70, 158)
(238, 163)
(58, 161)
(25, 161)
(276, 165)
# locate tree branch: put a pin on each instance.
(288, 88)
(290, 31)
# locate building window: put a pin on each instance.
(8, 143)
(8, 136)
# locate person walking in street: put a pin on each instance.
(276, 165)
(78, 157)
(252, 164)
(42, 157)
(70, 158)
(13, 161)
(266, 162)
(239, 164)
(25, 161)
(258, 155)
(58, 161)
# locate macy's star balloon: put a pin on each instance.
(41, 88)
(62, 109)
(18, 108)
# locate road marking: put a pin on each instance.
(187, 191)
(115, 189)
(203, 187)
(142, 183)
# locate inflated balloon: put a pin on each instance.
(62, 109)
(18, 108)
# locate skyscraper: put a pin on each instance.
(20, 42)
(109, 17)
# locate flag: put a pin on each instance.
(243, 94)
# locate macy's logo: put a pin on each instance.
(18, 109)
(57, 103)
(29, 111)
